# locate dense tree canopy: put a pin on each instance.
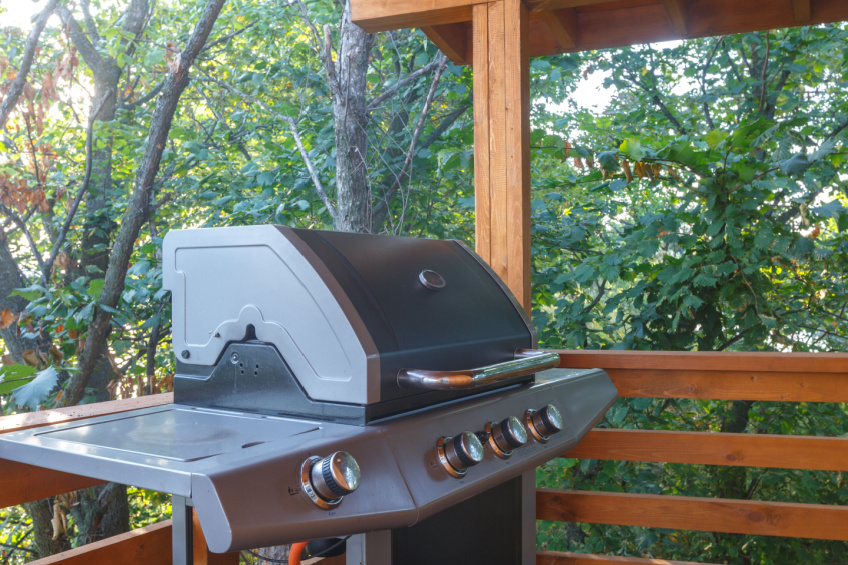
(704, 209)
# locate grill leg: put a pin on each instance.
(181, 533)
(373, 548)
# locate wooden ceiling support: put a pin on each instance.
(801, 9)
(563, 26)
(676, 10)
(502, 141)
(452, 39)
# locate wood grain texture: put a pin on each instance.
(25, 483)
(71, 413)
(793, 377)
(676, 11)
(482, 165)
(801, 9)
(452, 40)
(710, 448)
(615, 23)
(568, 558)
(151, 544)
(814, 521)
(708, 361)
(563, 26)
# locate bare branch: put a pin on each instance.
(72, 212)
(18, 221)
(29, 54)
(319, 187)
(90, 26)
(383, 206)
(305, 14)
(393, 89)
(709, 62)
(332, 77)
(229, 36)
(763, 73)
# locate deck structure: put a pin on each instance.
(498, 37)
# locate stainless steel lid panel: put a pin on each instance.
(346, 312)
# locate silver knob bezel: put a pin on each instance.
(533, 421)
(309, 491)
(441, 449)
(502, 453)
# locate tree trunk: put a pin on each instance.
(351, 117)
(42, 530)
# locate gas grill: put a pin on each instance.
(331, 384)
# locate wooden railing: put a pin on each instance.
(723, 376)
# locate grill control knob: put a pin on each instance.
(458, 453)
(543, 423)
(325, 481)
(505, 436)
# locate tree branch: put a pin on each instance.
(443, 126)
(17, 88)
(707, 114)
(229, 36)
(18, 221)
(138, 208)
(72, 212)
(81, 41)
(90, 26)
(383, 206)
(392, 90)
(319, 187)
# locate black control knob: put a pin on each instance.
(335, 476)
(460, 452)
(506, 435)
(544, 422)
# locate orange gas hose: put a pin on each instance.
(295, 552)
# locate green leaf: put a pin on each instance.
(95, 287)
(715, 138)
(34, 392)
(14, 376)
(633, 149)
(704, 279)
(795, 165)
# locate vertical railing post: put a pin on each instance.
(502, 141)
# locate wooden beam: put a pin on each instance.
(801, 8)
(710, 448)
(502, 141)
(151, 544)
(814, 521)
(676, 11)
(384, 15)
(451, 39)
(569, 558)
(563, 25)
(814, 377)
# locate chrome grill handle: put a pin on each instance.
(526, 361)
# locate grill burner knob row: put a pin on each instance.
(458, 453)
(543, 423)
(326, 481)
(505, 436)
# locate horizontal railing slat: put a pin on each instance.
(71, 413)
(151, 544)
(712, 448)
(25, 483)
(569, 558)
(815, 521)
(720, 376)
(759, 362)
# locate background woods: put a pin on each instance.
(703, 209)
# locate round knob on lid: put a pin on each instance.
(545, 422)
(460, 452)
(506, 436)
(335, 476)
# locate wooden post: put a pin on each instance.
(502, 141)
